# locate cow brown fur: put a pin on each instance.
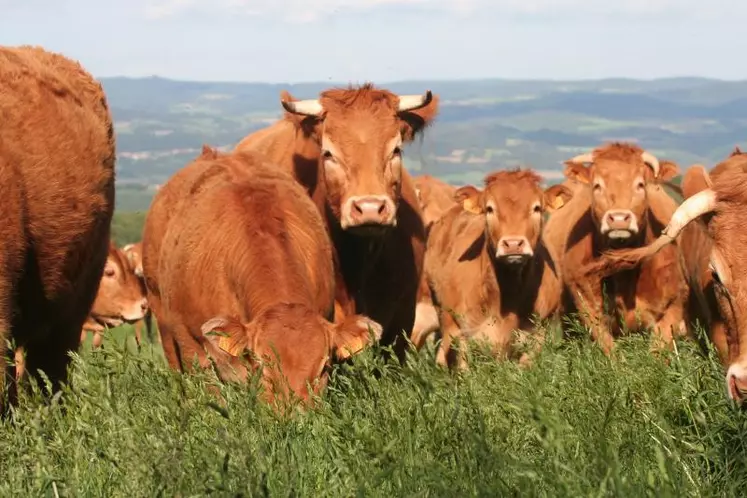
(618, 182)
(120, 298)
(233, 245)
(57, 188)
(348, 154)
(487, 266)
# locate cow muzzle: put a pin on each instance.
(369, 213)
(137, 311)
(736, 383)
(619, 224)
(514, 250)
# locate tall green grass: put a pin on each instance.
(574, 424)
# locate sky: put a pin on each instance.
(386, 40)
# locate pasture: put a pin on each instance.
(574, 424)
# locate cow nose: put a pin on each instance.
(736, 380)
(370, 210)
(619, 220)
(513, 246)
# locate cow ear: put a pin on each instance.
(667, 171)
(224, 336)
(577, 171)
(469, 197)
(352, 335)
(556, 197)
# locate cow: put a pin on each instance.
(134, 253)
(435, 198)
(346, 148)
(237, 263)
(120, 298)
(716, 202)
(487, 266)
(622, 205)
(57, 156)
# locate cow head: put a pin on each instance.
(121, 295)
(290, 337)
(618, 174)
(361, 132)
(513, 205)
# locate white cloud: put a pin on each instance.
(311, 10)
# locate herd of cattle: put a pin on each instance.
(310, 240)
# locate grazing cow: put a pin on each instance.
(120, 299)
(718, 201)
(134, 253)
(622, 205)
(233, 245)
(435, 197)
(57, 155)
(487, 265)
(346, 149)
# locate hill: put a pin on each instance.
(483, 125)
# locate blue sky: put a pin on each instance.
(387, 40)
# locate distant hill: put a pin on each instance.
(483, 125)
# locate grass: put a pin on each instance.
(575, 424)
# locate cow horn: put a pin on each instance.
(649, 159)
(693, 207)
(310, 107)
(583, 158)
(412, 102)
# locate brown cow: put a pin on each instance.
(719, 204)
(234, 245)
(487, 266)
(346, 149)
(435, 197)
(622, 206)
(134, 253)
(57, 189)
(120, 299)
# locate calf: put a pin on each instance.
(435, 197)
(134, 253)
(621, 205)
(120, 298)
(237, 261)
(718, 201)
(57, 155)
(486, 263)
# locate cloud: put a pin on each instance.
(313, 10)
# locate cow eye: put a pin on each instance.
(326, 154)
(109, 272)
(714, 273)
(597, 186)
(396, 152)
(640, 186)
(489, 209)
(537, 208)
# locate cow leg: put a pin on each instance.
(426, 323)
(397, 329)
(138, 333)
(587, 296)
(665, 327)
(50, 348)
(451, 349)
(719, 338)
(98, 338)
(152, 337)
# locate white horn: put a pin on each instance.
(694, 207)
(649, 159)
(412, 102)
(583, 158)
(310, 107)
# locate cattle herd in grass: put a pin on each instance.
(310, 240)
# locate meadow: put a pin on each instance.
(576, 423)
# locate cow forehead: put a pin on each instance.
(618, 172)
(513, 195)
(361, 127)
